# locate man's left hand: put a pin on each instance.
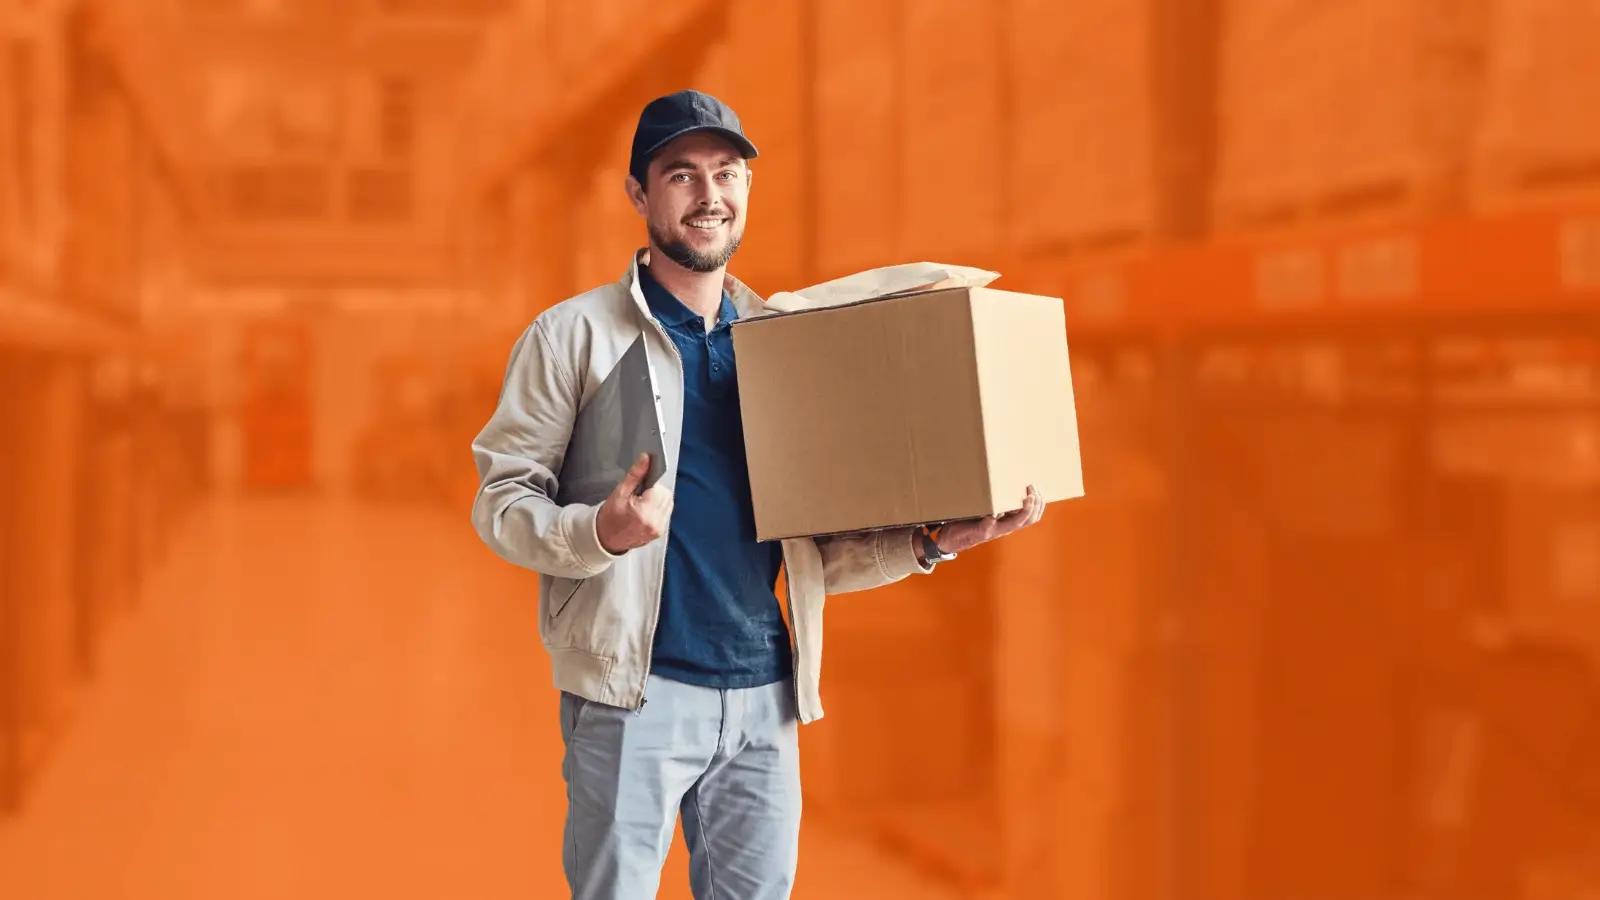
(969, 533)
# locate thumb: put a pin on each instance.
(629, 485)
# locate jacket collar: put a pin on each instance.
(672, 311)
(745, 301)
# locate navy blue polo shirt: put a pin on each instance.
(721, 625)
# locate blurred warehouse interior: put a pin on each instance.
(1327, 622)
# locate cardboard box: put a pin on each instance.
(927, 406)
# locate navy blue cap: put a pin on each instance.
(665, 119)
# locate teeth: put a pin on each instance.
(705, 223)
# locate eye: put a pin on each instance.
(726, 176)
(680, 177)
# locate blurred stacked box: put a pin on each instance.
(1545, 463)
(905, 752)
(517, 51)
(1081, 664)
(757, 70)
(1080, 91)
(608, 20)
(1539, 139)
(1553, 561)
(889, 666)
(572, 37)
(1338, 112)
(859, 211)
(952, 186)
(607, 228)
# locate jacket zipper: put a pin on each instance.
(655, 621)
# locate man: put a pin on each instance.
(682, 683)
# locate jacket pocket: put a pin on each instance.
(562, 590)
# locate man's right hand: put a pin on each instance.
(629, 519)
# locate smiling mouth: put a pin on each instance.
(707, 223)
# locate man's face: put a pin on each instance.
(694, 207)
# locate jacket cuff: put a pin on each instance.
(583, 536)
(897, 554)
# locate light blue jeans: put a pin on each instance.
(727, 760)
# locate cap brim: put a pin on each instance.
(742, 143)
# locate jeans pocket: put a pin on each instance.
(572, 710)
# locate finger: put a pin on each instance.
(1015, 520)
(655, 507)
(1035, 506)
(629, 485)
(1027, 496)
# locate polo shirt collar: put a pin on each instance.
(746, 303)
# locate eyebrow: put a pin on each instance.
(683, 165)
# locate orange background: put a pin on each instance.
(1325, 625)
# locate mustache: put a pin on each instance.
(709, 214)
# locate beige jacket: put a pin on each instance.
(597, 611)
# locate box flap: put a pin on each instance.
(880, 283)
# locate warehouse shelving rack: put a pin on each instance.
(32, 329)
(1339, 347)
(61, 329)
(1292, 318)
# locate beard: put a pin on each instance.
(695, 260)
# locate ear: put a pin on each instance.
(635, 192)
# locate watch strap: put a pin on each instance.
(932, 553)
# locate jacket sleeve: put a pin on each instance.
(518, 454)
(869, 559)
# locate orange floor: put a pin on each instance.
(322, 699)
